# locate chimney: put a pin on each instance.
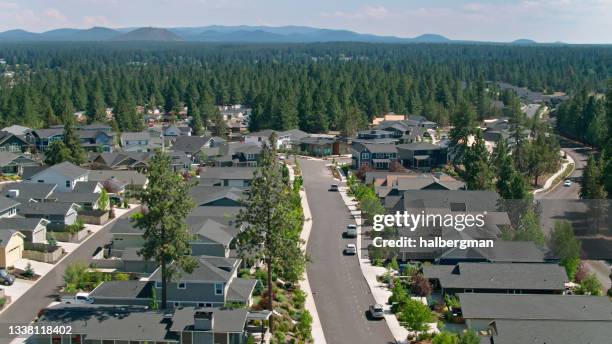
(13, 193)
(203, 321)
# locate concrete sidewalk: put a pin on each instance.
(548, 184)
(318, 336)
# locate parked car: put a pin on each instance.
(333, 187)
(377, 311)
(567, 182)
(351, 231)
(6, 278)
(350, 250)
(78, 298)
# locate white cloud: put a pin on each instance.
(55, 15)
(90, 21)
(365, 12)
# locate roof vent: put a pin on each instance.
(203, 321)
(13, 193)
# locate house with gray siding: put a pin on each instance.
(34, 229)
(58, 214)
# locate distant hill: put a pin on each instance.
(523, 41)
(431, 38)
(148, 34)
(236, 34)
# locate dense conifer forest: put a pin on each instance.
(316, 87)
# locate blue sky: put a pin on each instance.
(573, 21)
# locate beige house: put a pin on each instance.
(388, 117)
(11, 247)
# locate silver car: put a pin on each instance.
(351, 231)
(350, 250)
(377, 311)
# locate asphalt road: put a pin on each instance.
(339, 289)
(26, 308)
(579, 153)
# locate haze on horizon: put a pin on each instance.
(570, 21)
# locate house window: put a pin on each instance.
(201, 304)
(158, 284)
(182, 285)
(365, 156)
(67, 183)
(177, 304)
(218, 288)
(40, 181)
(208, 304)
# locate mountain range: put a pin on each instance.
(218, 33)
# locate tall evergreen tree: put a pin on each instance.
(270, 223)
(478, 173)
(166, 204)
(73, 143)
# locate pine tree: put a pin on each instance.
(166, 203)
(196, 122)
(478, 173)
(270, 223)
(591, 186)
(464, 126)
(96, 110)
(73, 143)
(57, 152)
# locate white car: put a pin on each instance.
(567, 182)
(350, 250)
(78, 298)
(351, 231)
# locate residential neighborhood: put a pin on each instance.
(217, 172)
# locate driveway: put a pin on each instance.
(340, 291)
(41, 294)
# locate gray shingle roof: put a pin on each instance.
(502, 251)
(124, 226)
(75, 197)
(380, 148)
(46, 208)
(500, 276)
(89, 186)
(240, 289)
(30, 190)
(67, 169)
(139, 135)
(6, 235)
(20, 223)
(557, 332)
(204, 194)
(127, 177)
(209, 269)
(100, 322)
(418, 146)
(224, 320)
(6, 203)
(49, 132)
(213, 231)
(536, 307)
(190, 144)
(122, 289)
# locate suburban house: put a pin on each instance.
(502, 252)
(13, 143)
(213, 283)
(192, 145)
(391, 116)
(33, 229)
(173, 131)
(13, 163)
(317, 146)
(284, 139)
(227, 176)
(405, 131)
(119, 181)
(44, 137)
(422, 155)
(11, 247)
(66, 175)
(481, 310)
(84, 200)
(376, 156)
(244, 155)
(119, 160)
(396, 184)
(141, 141)
(58, 214)
(133, 324)
(97, 141)
(8, 207)
(216, 196)
(511, 278)
(17, 129)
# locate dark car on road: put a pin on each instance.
(6, 278)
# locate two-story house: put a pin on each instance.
(10, 142)
(44, 137)
(213, 283)
(422, 155)
(97, 141)
(377, 156)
